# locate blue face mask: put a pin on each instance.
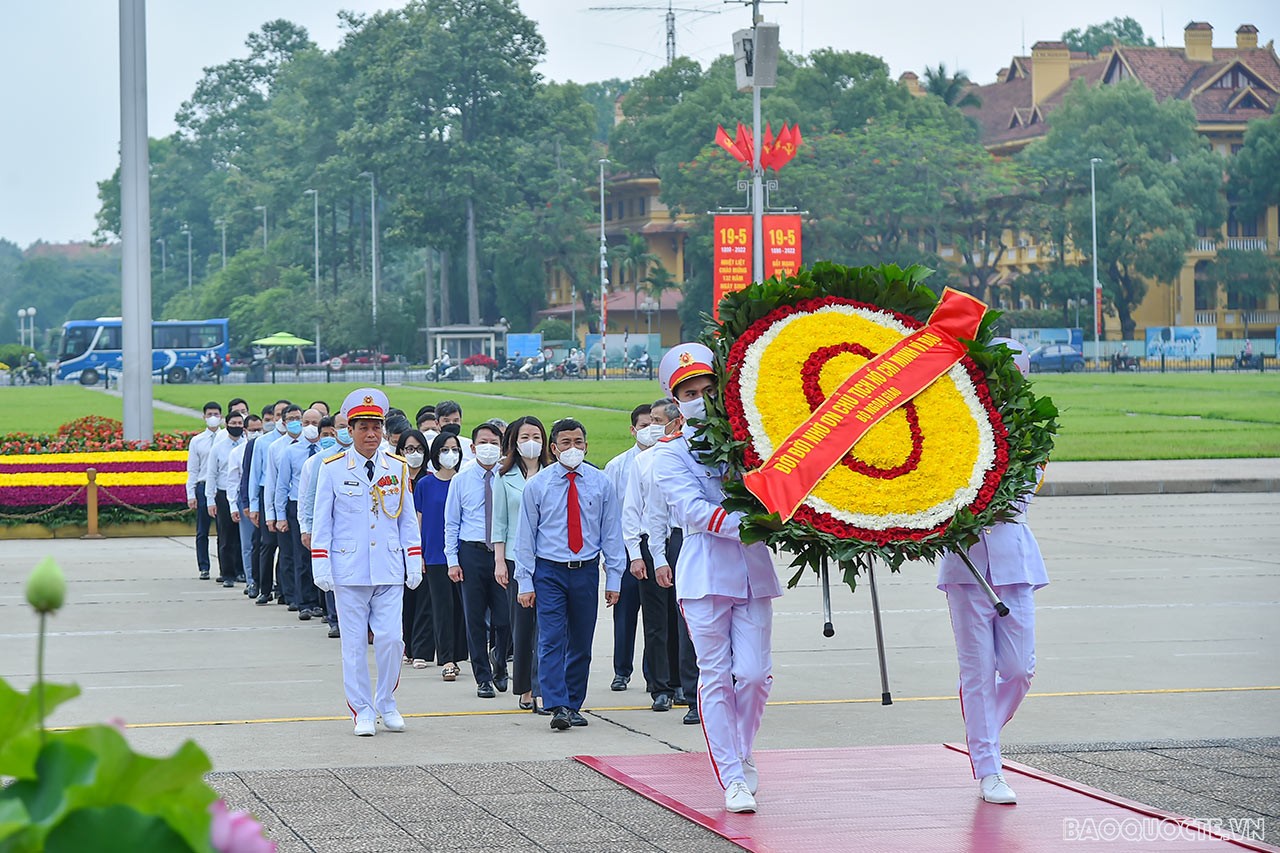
(328, 442)
(294, 427)
(344, 437)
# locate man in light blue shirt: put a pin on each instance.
(292, 420)
(468, 549)
(287, 492)
(569, 517)
(334, 438)
(264, 558)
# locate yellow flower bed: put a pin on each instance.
(97, 456)
(77, 478)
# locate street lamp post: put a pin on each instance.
(222, 223)
(263, 208)
(186, 230)
(164, 261)
(315, 216)
(1097, 285)
(648, 307)
(22, 327)
(604, 278)
(373, 222)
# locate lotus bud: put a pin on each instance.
(46, 586)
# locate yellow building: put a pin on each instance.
(1228, 87)
(632, 207)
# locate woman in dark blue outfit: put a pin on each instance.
(446, 596)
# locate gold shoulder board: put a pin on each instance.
(335, 457)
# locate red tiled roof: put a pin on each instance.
(622, 300)
(1166, 71)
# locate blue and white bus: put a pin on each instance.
(90, 347)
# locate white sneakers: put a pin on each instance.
(393, 721)
(738, 799)
(750, 774)
(996, 790)
(365, 724)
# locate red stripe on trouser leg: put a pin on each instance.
(709, 620)
(354, 715)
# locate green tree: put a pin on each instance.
(1255, 170)
(1248, 277)
(953, 89)
(1119, 30)
(1157, 180)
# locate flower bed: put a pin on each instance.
(43, 480)
(923, 479)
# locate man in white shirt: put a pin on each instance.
(197, 455)
(626, 614)
(216, 481)
(238, 499)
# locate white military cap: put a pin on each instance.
(684, 362)
(366, 403)
(1020, 357)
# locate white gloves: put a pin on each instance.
(323, 583)
(413, 578)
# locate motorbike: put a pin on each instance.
(1123, 361)
(206, 370)
(31, 374)
(510, 370)
(1248, 361)
(641, 367)
(442, 372)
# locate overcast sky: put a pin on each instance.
(59, 63)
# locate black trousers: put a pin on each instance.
(687, 658)
(486, 607)
(417, 623)
(446, 615)
(655, 609)
(202, 529)
(305, 594)
(524, 639)
(265, 555)
(230, 563)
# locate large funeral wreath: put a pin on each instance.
(923, 481)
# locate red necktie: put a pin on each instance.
(575, 514)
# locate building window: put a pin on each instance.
(1116, 72)
(1236, 78)
(1238, 226)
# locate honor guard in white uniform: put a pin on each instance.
(365, 548)
(725, 588)
(996, 654)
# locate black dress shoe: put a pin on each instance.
(526, 706)
(619, 684)
(485, 690)
(334, 633)
(576, 719)
(293, 608)
(661, 702)
(204, 574)
(316, 612)
(680, 698)
(239, 578)
(560, 719)
(228, 583)
(304, 615)
(251, 591)
(691, 717)
(262, 599)
(539, 710)
(502, 682)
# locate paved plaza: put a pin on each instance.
(1158, 680)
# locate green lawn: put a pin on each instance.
(1107, 416)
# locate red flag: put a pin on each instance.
(744, 142)
(723, 140)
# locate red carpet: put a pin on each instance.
(917, 798)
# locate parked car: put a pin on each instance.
(364, 356)
(1059, 357)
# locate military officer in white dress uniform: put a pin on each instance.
(365, 548)
(997, 655)
(725, 588)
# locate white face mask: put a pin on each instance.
(572, 457)
(213, 421)
(253, 433)
(280, 427)
(488, 454)
(531, 449)
(415, 459)
(449, 458)
(649, 435)
(430, 435)
(310, 432)
(694, 409)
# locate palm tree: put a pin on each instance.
(635, 258)
(952, 88)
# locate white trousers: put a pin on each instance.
(378, 607)
(733, 638)
(997, 657)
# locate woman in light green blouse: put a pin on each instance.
(525, 454)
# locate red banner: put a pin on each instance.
(731, 263)
(781, 245)
(880, 386)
